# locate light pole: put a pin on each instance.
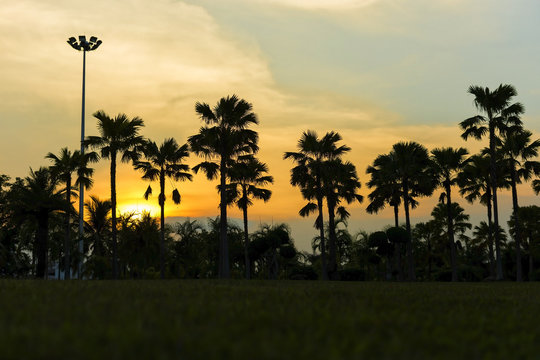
(84, 46)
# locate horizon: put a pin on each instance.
(376, 71)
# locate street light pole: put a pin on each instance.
(84, 46)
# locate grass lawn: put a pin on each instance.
(267, 320)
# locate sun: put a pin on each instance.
(137, 209)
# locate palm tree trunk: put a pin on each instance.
(113, 217)
(453, 252)
(493, 176)
(519, 271)
(224, 271)
(67, 240)
(42, 235)
(490, 235)
(323, 243)
(246, 236)
(162, 223)
(396, 218)
(410, 259)
(332, 261)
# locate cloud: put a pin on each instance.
(322, 4)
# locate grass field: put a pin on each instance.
(267, 320)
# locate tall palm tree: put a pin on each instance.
(447, 163)
(247, 178)
(63, 167)
(340, 183)
(412, 172)
(164, 161)
(224, 137)
(117, 136)
(518, 151)
(35, 198)
(474, 182)
(311, 159)
(500, 113)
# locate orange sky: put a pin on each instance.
(376, 71)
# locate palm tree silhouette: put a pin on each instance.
(98, 226)
(340, 182)
(528, 217)
(447, 163)
(247, 178)
(412, 171)
(308, 175)
(474, 182)
(225, 137)
(517, 151)
(500, 114)
(36, 198)
(164, 161)
(385, 189)
(63, 167)
(536, 186)
(118, 136)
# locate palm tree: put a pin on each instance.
(164, 161)
(428, 231)
(117, 136)
(340, 183)
(474, 182)
(536, 186)
(385, 190)
(500, 114)
(518, 152)
(311, 160)
(64, 165)
(447, 163)
(225, 137)
(412, 172)
(247, 178)
(36, 198)
(98, 226)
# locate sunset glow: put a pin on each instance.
(376, 71)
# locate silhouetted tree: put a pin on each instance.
(447, 163)
(224, 138)
(98, 227)
(247, 178)
(164, 161)
(63, 167)
(517, 152)
(311, 159)
(499, 114)
(117, 136)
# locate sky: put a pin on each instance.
(376, 71)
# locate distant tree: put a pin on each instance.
(500, 114)
(385, 189)
(162, 162)
(117, 136)
(271, 248)
(224, 138)
(447, 163)
(248, 176)
(34, 199)
(518, 152)
(529, 217)
(98, 225)
(63, 167)
(427, 231)
(308, 174)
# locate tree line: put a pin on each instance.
(38, 221)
